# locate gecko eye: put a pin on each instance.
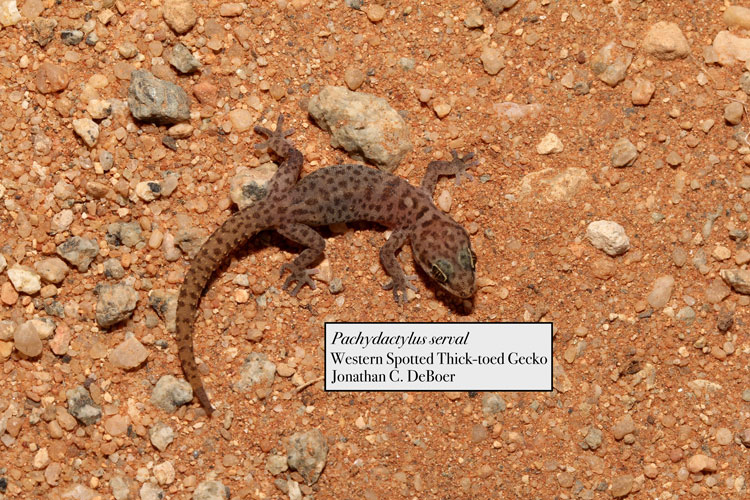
(439, 274)
(468, 259)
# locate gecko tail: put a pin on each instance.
(236, 230)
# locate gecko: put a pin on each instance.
(340, 193)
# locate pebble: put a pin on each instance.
(179, 15)
(106, 160)
(701, 463)
(737, 16)
(661, 292)
(608, 236)
(686, 314)
(733, 113)
(242, 120)
(721, 253)
(493, 403)
(674, 159)
(492, 60)
(474, 18)
(43, 30)
(117, 425)
(164, 473)
(171, 393)
(603, 268)
(745, 437)
(79, 251)
(442, 109)
(307, 453)
(624, 153)
(231, 9)
(127, 50)
(497, 6)
(276, 464)
(724, 436)
(115, 303)
(9, 14)
(738, 279)
(257, 370)
(24, 279)
(665, 40)
(745, 82)
(206, 92)
(113, 269)
(123, 233)
(82, 407)
(622, 427)
(153, 100)
(211, 490)
(148, 190)
(354, 78)
(679, 256)
(549, 144)
(150, 491)
(60, 342)
(86, 129)
(99, 109)
(730, 48)
(622, 486)
(642, 92)
(129, 354)
(362, 124)
(71, 37)
(424, 95)
(161, 435)
(445, 200)
(51, 78)
(3, 263)
(610, 64)
(717, 291)
(26, 340)
(375, 13)
(593, 439)
(725, 321)
(180, 131)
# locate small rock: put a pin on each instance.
(673, 159)
(623, 426)
(622, 486)
(721, 253)
(717, 291)
(24, 279)
(733, 113)
(442, 109)
(99, 109)
(211, 490)
(492, 60)
(256, 370)
(354, 78)
(206, 92)
(307, 454)
(549, 144)
(375, 13)
(161, 435)
(127, 50)
(183, 60)
(725, 321)
(661, 292)
(250, 185)
(603, 268)
(553, 185)
(115, 303)
(150, 491)
(164, 473)
(124, 233)
(129, 354)
(242, 120)
(157, 101)
(3, 263)
(474, 18)
(608, 236)
(276, 464)
(113, 269)
(179, 15)
(78, 251)
(686, 314)
(642, 92)
(9, 14)
(82, 407)
(724, 436)
(730, 48)
(665, 41)
(26, 340)
(106, 160)
(165, 305)
(738, 279)
(231, 9)
(737, 16)
(148, 190)
(43, 30)
(498, 6)
(610, 64)
(593, 439)
(51, 78)
(745, 437)
(171, 393)
(624, 153)
(701, 463)
(71, 37)
(86, 129)
(493, 403)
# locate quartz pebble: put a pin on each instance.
(115, 303)
(642, 92)
(307, 453)
(701, 463)
(78, 251)
(154, 100)
(161, 435)
(738, 279)
(549, 144)
(27, 340)
(24, 279)
(624, 153)
(492, 60)
(171, 393)
(733, 113)
(211, 490)
(661, 292)
(179, 15)
(665, 41)
(129, 354)
(608, 236)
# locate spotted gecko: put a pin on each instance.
(339, 193)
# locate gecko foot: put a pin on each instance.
(400, 285)
(276, 139)
(461, 165)
(301, 276)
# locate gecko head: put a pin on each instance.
(443, 250)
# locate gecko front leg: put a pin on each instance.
(300, 266)
(458, 166)
(288, 173)
(399, 281)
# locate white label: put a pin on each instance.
(438, 356)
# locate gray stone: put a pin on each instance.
(71, 37)
(738, 279)
(256, 370)
(183, 60)
(78, 251)
(82, 407)
(624, 153)
(165, 305)
(115, 303)
(161, 435)
(157, 101)
(211, 490)
(307, 454)
(124, 233)
(170, 393)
